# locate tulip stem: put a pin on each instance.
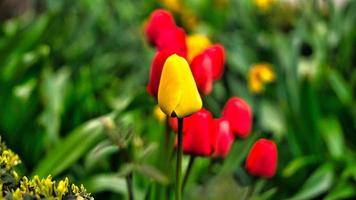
(187, 173)
(179, 160)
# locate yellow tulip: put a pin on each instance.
(177, 92)
(196, 44)
(259, 75)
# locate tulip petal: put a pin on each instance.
(177, 92)
(169, 91)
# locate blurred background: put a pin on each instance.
(73, 98)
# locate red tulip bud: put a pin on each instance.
(196, 134)
(222, 137)
(172, 40)
(217, 55)
(262, 159)
(202, 69)
(159, 20)
(239, 114)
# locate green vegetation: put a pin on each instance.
(73, 98)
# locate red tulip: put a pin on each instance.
(262, 159)
(217, 55)
(222, 137)
(202, 69)
(156, 71)
(159, 20)
(207, 67)
(239, 114)
(173, 123)
(196, 134)
(172, 40)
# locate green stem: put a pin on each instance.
(179, 160)
(187, 173)
(129, 186)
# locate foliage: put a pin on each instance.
(73, 99)
(14, 187)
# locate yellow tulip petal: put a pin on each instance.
(169, 91)
(177, 92)
(196, 44)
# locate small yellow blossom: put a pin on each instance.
(196, 44)
(259, 75)
(35, 188)
(159, 114)
(177, 92)
(17, 195)
(9, 159)
(264, 5)
(62, 187)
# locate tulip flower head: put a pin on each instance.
(222, 137)
(172, 40)
(239, 114)
(177, 93)
(207, 67)
(217, 55)
(197, 134)
(197, 43)
(159, 20)
(262, 159)
(202, 69)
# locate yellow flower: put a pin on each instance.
(62, 187)
(9, 159)
(196, 44)
(174, 5)
(259, 75)
(177, 91)
(264, 5)
(159, 114)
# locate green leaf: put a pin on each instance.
(341, 191)
(237, 154)
(271, 118)
(332, 133)
(318, 183)
(151, 172)
(298, 164)
(100, 151)
(106, 182)
(73, 147)
(340, 87)
(53, 89)
(265, 195)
